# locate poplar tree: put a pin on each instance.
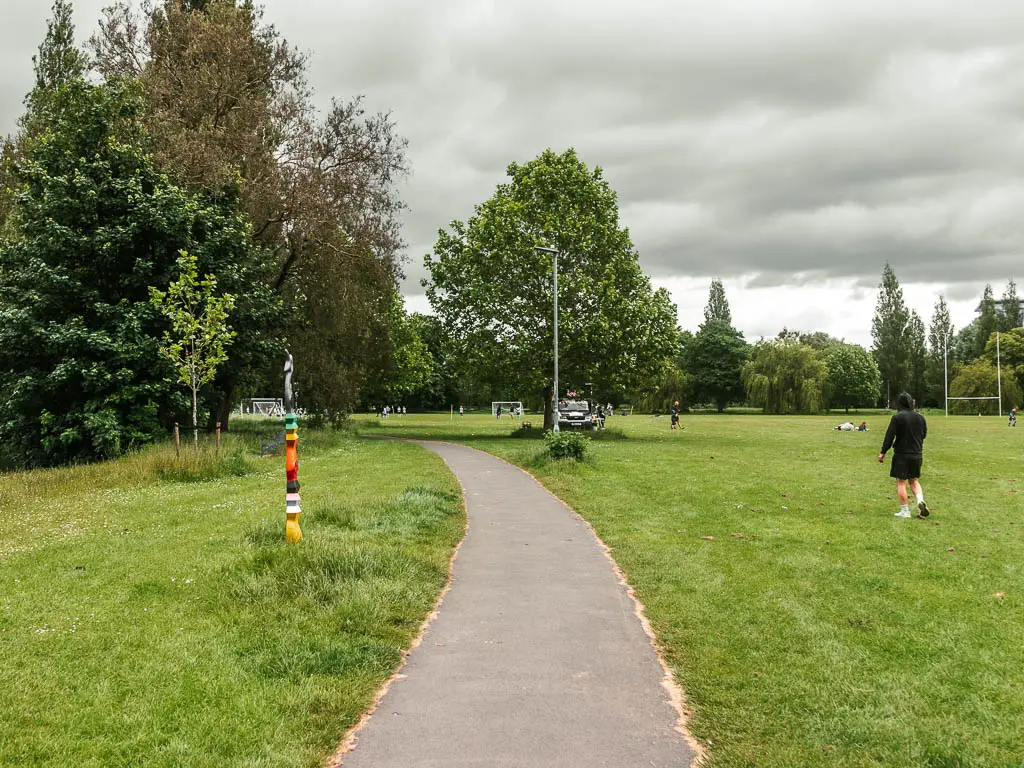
(889, 333)
(717, 308)
(987, 322)
(1011, 316)
(940, 347)
(917, 350)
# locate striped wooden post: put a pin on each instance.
(292, 531)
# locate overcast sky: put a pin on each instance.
(790, 147)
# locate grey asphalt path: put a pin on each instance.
(536, 658)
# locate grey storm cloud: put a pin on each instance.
(782, 141)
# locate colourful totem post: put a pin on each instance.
(292, 532)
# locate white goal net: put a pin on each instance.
(510, 408)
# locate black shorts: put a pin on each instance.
(905, 467)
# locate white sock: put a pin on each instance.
(920, 497)
(904, 507)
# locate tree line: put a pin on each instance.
(920, 363)
(184, 150)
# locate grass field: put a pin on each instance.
(150, 614)
(807, 625)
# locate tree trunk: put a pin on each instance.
(195, 426)
(223, 405)
(549, 421)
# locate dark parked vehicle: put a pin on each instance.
(575, 414)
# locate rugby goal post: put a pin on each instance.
(511, 407)
(999, 379)
(263, 406)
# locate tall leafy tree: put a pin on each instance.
(409, 365)
(962, 348)
(493, 290)
(853, 378)
(940, 353)
(987, 321)
(716, 355)
(1010, 317)
(717, 308)
(889, 332)
(784, 376)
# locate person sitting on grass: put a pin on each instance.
(905, 435)
(862, 427)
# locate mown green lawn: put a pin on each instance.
(148, 620)
(807, 625)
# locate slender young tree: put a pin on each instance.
(199, 334)
(889, 333)
(1011, 316)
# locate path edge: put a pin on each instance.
(676, 695)
(350, 739)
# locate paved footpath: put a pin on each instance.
(536, 657)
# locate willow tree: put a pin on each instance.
(783, 376)
(492, 288)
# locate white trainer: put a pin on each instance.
(903, 513)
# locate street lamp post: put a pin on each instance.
(554, 253)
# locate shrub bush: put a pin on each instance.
(567, 445)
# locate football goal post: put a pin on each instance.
(512, 408)
(999, 379)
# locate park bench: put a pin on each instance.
(272, 446)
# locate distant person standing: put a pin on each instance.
(1013, 417)
(499, 413)
(675, 415)
(462, 411)
(905, 435)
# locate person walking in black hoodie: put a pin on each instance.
(905, 435)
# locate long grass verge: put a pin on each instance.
(151, 613)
